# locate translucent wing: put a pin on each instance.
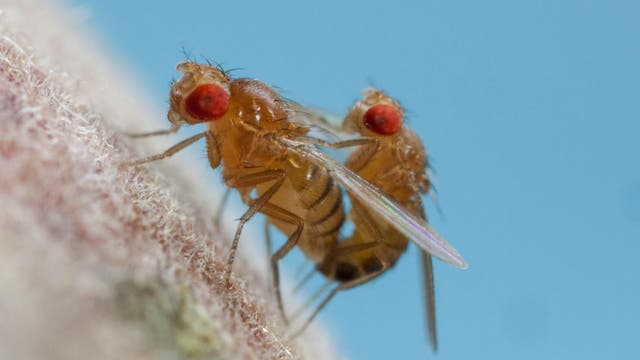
(401, 219)
(321, 124)
(314, 116)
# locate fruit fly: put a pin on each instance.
(263, 143)
(396, 164)
(245, 120)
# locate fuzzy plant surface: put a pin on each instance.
(100, 262)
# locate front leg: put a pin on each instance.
(213, 150)
(169, 152)
(173, 129)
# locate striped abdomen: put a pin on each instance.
(310, 193)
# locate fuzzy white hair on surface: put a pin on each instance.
(103, 263)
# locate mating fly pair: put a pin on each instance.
(266, 144)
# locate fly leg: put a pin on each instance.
(214, 157)
(343, 286)
(429, 298)
(429, 290)
(170, 151)
(336, 253)
(304, 278)
(268, 245)
(251, 180)
(223, 202)
(283, 215)
(173, 129)
(370, 230)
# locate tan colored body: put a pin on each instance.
(246, 123)
(246, 139)
(396, 164)
(248, 128)
(398, 167)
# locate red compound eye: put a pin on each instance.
(207, 102)
(383, 119)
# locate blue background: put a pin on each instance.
(530, 112)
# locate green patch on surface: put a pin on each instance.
(171, 319)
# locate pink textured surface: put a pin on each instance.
(74, 228)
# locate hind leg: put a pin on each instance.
(343, 286)
(283, 215)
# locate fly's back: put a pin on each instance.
(396, 164)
